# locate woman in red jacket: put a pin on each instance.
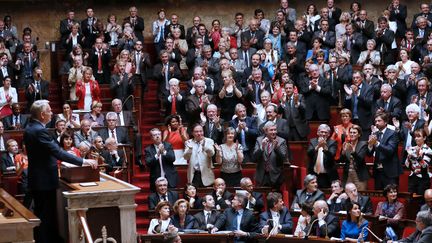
(87, 90)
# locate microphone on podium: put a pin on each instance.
(310, 229)
(370, 231)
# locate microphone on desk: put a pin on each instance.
(275, 228)
(310, 229)
(370, 231)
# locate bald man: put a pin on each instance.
(428, 200)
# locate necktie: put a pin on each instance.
(386, 106)
(243, 139)
(86, 137)
(319, 161)
(355, 110)
(409, 139)
(236, 221)
(257, 93)
(348, 45)
(38, 86)
(138, 63)
(246, 58)
(161, 166)
(421, 33)
(113, 135)
(16, 120)
(207, 217)
(164, 198)
(409, 46)
(211, 126)
(173, 105)
(99, 61)
(379, 136)
(166, 76)
(267, 162)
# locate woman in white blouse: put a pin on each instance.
(160, 224)
(404, 65)
(8, 96)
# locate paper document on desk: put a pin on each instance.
(223, 232)
(335, 239)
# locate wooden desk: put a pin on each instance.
(111, 203)
(225, 238)
(19, 227)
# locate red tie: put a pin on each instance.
(113, 135)
(409, 46)
(173, 105)
(99, 61)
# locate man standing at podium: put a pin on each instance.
(43, 153)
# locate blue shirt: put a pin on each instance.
(350, 229)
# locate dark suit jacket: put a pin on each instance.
(364, 106)
(368, 32)
(154, 199)
(277, 157)
(300, 197)
(252, 132)
(167, 164)
(8, 121)
(160, 76)
(215, 134)
(188, 224)
(248, 223)
(285, 220)
(42, 95)
(298, 120)
(43, 153)
(403, 135)
(123, 89)
(316, 102)
(121, 134)
(247, 72)
(11, 74)
(328, 159)
(423, 236)
(259, 203)
(358, 155)
(330, 39)
(414, 24)
(106, 58)
(138, 27)
(400, 18)
(394, 107)
(193, 109)
(6, 161)
(364, 201)
(386, 154)
(259, 35)
(358, 45)
(216, 218)
(221, 201)
(145, 64)
(250, 52)
(90, 36)
(332, 228)
(385, 41)
(64, 28)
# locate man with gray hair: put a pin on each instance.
(388, 103)
(213, 124)
(120, 134)
(209, 63)
(270, 154)
(162, 194)
(316, 91)
(85, 133)
(423, 233)
(196, 103)
(321, 152)
(43, 153)
(309, 194)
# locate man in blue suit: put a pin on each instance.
(240, 220)
(43, 153)
(247, 130)
(383, 144)
(277, 212)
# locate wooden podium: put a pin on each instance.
(110, 204)
(18, 224)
